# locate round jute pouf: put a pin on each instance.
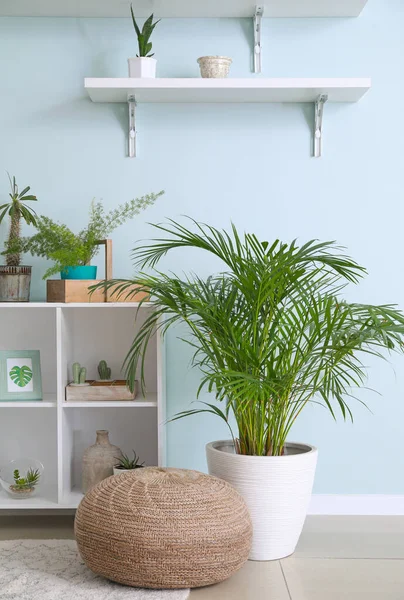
(163, 528)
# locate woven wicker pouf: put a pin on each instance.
(163, 528)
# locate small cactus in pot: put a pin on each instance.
(104, 371)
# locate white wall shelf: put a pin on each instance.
(249, 90)
(181, 8)
(87, 333)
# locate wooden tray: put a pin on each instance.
(100, 391)
(77, 290)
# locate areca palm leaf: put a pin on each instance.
(270, 333)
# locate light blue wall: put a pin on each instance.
(247, 163)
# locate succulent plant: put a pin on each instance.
(143, 36)
(103, 370)
(126, 463)
(30, 480)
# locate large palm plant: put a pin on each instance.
(270, 333)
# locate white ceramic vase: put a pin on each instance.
(142, 66)
(277, 491)
(213, 67)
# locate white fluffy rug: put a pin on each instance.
(53, 570)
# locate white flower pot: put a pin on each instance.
(277, 490)
(142, 66)
(119, 471)
(214, 66)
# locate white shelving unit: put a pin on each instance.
(249, 90)
(57, 432)
(181, 8)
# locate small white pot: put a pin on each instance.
(142, 66)
(277, 491)
(214, 66)
(119, 471)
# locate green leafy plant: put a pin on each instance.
(58, 243)
(17, 210)
(269, 334)
(21, 376)
(143, 37)
(28, 482)
(126, 463)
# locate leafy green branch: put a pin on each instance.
(56, 242)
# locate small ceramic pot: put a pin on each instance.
(79, 272)
(142, 66)
(214, 66)
(119, 471)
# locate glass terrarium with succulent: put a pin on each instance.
(21, 478)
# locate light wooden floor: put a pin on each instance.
(338, 558)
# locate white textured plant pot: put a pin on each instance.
(120, 471)
(277, 491)
(142, 67)
(213, 67)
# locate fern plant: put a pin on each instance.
(17, 210)
(58, 243)
(143, 37)
(269, 334)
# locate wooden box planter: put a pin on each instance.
(77, 290)
(100, 391)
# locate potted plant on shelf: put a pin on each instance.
(144, 65)
(270, 334)
(70, 252)
(125, 463)
(15, 279)
(214, 67)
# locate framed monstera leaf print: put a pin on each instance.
(20, 376)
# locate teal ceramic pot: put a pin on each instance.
(80, 272)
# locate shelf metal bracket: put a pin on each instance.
(318, 124)
(259, 11)
(132, 127)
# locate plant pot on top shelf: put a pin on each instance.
(214, 67)
(15, 279)
(143, 65)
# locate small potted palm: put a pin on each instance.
(15, 279)
(143, 65)
(270, 334)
